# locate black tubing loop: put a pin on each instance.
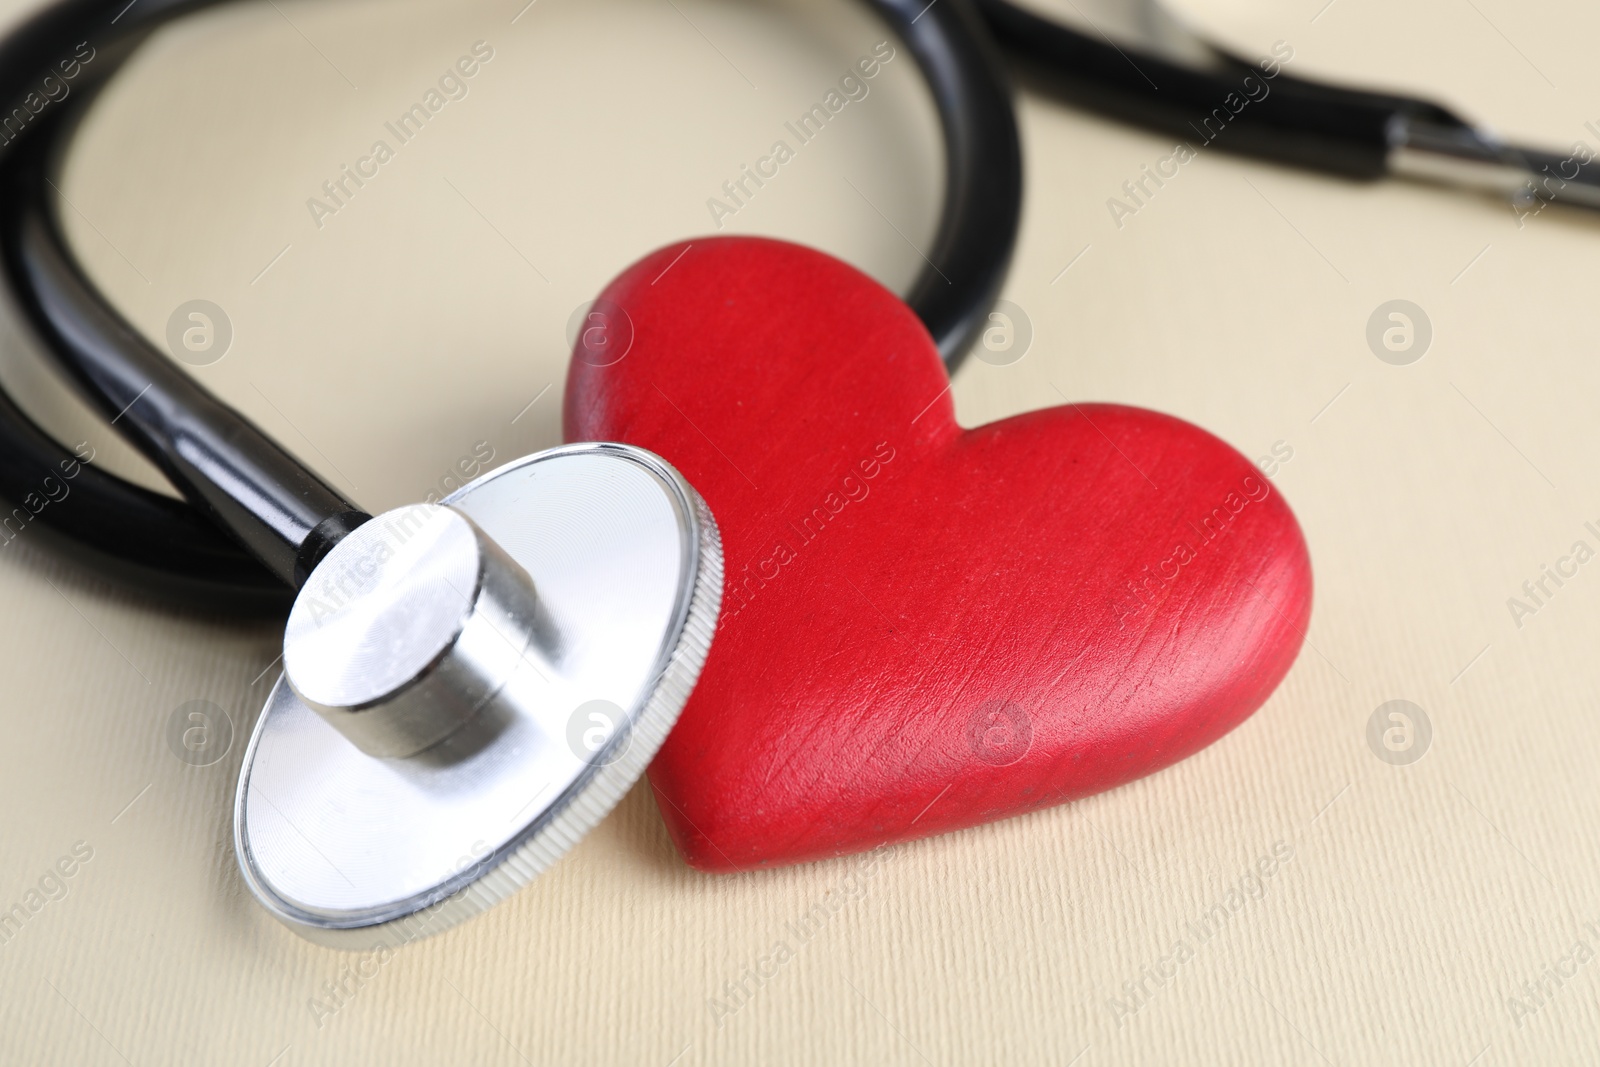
(145, 537)
(113, 516)
(977, 232)
(235, 478)
(222, 463)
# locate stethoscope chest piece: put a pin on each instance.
(471, 686)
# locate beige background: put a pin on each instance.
(426, 315)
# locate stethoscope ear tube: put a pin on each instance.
(1285, 119)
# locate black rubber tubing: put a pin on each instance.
(1239, 107)
(254, 518)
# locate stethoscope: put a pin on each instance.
(469, 686)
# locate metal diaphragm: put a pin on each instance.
(475, 685)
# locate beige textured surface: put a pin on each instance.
(414, 324)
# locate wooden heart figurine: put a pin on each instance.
(923, 627)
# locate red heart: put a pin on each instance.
(923, 627)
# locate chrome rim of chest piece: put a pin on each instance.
(470, 687)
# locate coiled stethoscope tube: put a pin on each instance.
(1331, 129)
(231, 473)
